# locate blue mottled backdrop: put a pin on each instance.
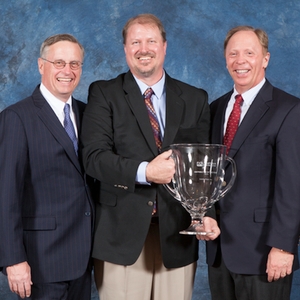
(195, 32)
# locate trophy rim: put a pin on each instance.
(198, 144)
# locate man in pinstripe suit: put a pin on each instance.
(45, 209)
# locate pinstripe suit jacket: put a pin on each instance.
(45, 209)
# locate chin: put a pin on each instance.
(146, 73)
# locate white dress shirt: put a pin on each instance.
(58, 106)
(248, 98)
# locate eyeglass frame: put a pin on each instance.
(80, 64)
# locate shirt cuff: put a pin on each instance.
(141, 173)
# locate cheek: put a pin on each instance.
(129, 55)
(78, 74)
(229, 64)
(230, 68)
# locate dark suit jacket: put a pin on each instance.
(117, 137)
(45, 211)
(262, 210)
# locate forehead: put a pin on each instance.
(244, 39)
(143, 30)
(65, 48)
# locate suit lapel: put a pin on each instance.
(219, 119)
(51, 121)
(139, 109)
(174, 111)
(255, 112)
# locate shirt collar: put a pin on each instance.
(158, 88)
(54, 102)
(250, 95)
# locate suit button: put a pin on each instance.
(150, 203)
(87, 213)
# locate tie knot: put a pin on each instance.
(239, 99)
(148, 93)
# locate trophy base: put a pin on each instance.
(195, 229)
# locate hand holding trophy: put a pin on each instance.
(199, 180)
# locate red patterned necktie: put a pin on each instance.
(153, 118)
(155, 127)
(233, 122)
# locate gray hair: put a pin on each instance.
(58, 38)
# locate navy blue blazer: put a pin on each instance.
(262, 210)
(46, 212)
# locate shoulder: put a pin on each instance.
(81, 105)
(15, 116)
(19, 107)
(111, 83)
(179, 83)
(283, 95)
(185, 91)
(214, 104)
(277, 97)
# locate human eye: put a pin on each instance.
(59, 63)
(75, 64)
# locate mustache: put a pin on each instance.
(145, 54)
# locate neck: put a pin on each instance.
(150, 80)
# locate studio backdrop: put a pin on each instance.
(195, 33)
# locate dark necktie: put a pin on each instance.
(68, 124)
(153, 118)
(233, 122)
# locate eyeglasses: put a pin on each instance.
(60, 64)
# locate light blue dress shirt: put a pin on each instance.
(159, 103)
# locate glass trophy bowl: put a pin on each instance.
(198, 181)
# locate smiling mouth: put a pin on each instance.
(60, 79)
(144, 59)
(241, 71)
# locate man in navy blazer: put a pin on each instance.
(45, 209)
(259, 218)
(139, 253)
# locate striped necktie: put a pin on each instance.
(153, 118)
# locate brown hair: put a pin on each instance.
(58, 38)
(261, 34)
(144, 19)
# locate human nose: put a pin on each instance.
(144, 47)
(67, 68)
(240, 59)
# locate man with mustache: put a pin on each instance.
(138, 251)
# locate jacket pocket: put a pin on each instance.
(39, 223)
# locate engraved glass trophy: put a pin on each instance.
(199, 179)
